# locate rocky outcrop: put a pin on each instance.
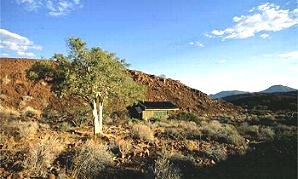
(15, 88)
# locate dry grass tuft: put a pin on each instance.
(25, 129)
(163, 169)
(143, 132)
(125, 147)
(31, 112)
(91, 159)
(19, 130)
(41, 154)
(9, 112)
(257, 132)
(217, 153)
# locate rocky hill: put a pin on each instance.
(186, 98)
(223, 94)
(278, 89)
(282, 101)
(17, 92)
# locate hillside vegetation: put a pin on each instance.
(44, 136)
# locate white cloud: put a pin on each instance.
(15, 42)
(4, 55)
(222, 61)
(289, 55)
(196, 44)
(217, 32)
(267, 17)
(208, 35)
(30, 5)
(54, 7)
(264, 36)
(26, 54)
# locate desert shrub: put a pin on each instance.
(265, 119)
(217, 153)
(20, 129)
(125, 147)
(230, 133)
(190, 129)
(173, 133)
(41, 154)
(251, 131)
(166, 123)
(266, 133)
(8, 149)
(143, 132)
(284, 130)
(119, 115)
(187, 116)
(163, 169)
(65, 126)
(191, 145)
(222, 132)
(155, 119)
(91, 159)
(8, 112)
(181, 129)
(74, 116)
(31, 112)
(257, 132)
(24, 101)
(27, 129)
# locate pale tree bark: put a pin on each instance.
(100, 115)
(97, 128)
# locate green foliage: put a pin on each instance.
(222, 132)
(187, 116)
(256, 132)
(88, 72)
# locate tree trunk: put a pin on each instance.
(97, 128)
(100, 115)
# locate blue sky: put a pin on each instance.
(210, 45)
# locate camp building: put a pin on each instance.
(161, 109)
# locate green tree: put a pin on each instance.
(92, 74)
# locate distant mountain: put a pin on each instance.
(279, 101)
(271, 89)
(277, 89)
(223, 94)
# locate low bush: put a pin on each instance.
(266, 133)
(91, 159)
(163, 169)
(20, 129)
(187, 116)
(191, 145)
(284, 130)
(41, 154)
(173, 133)
(222, 132)
(31, 112)
(217, 153)
(143, 132)
(249, 130)
(190, 130)
(74, 116)
(125, 147)
(256, 132)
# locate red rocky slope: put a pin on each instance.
(16, 91)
